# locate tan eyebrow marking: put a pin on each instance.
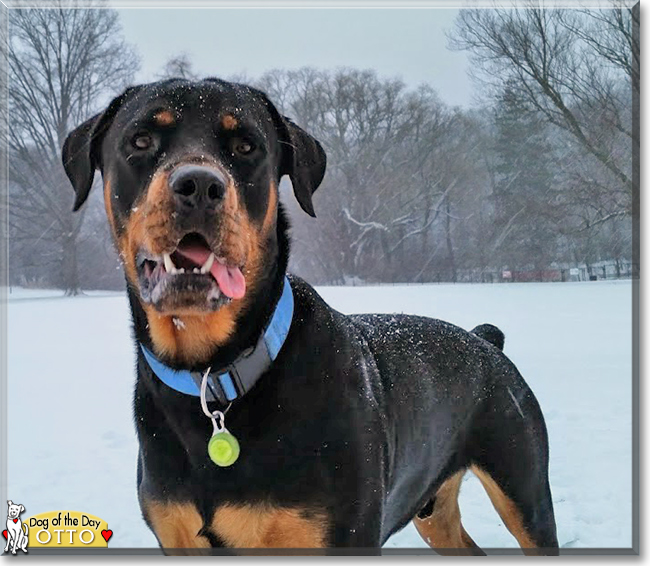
(229, 122)
(164, 118)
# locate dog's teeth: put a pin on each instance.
(181, 270)
(207, 266)
(169, 264)
(196, 270)
(214, 293)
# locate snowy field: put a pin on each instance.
(71, 373)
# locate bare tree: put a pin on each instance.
(576, 68)
(64, 63)
(398, 175)
(179, 66)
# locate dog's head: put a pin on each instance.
(14, 510)
(191, 173)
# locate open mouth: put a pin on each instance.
(191, 276)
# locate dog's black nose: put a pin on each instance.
(197, 186)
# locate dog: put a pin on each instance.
(266, 419)
(16, 530)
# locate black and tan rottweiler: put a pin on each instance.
(348, 427)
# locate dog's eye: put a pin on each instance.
(244, 147)
(142, 141)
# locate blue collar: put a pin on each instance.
(238, 378)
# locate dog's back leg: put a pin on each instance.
(439, 522)
(509, 454)
(24, 532)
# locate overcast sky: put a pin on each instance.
(408, 43)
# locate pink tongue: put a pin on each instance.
(230, 279)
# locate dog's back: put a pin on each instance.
(453, 400)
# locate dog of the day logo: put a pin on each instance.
(54, 529)
(16, 531)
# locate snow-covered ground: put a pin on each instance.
(71, 373)
(22, 294)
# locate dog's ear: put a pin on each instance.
(22, 508)
(81, 149)
(304, 160)
(302, 156)
(79, 159)
(10, 502)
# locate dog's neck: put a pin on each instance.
(227, 384)
(252, 320)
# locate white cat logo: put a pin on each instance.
(16, 533)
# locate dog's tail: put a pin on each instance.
(490, 333)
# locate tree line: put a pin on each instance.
(537, 178)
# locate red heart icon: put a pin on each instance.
(4, 533)
(15, 520)
(107, 534)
